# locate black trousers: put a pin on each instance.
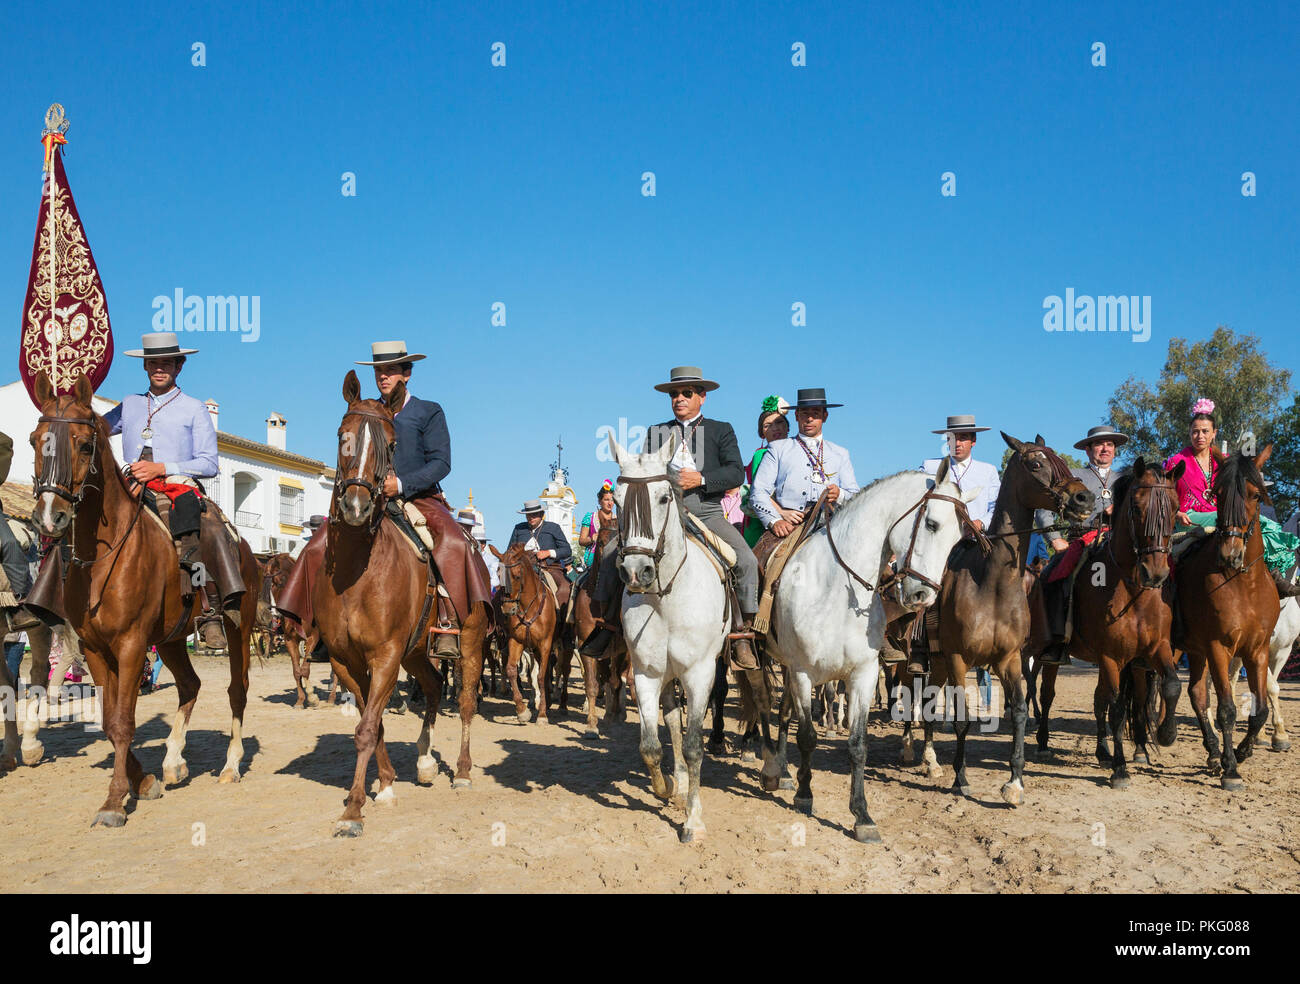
(186, 510)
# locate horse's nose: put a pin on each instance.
(920, 598)
(1083, 500)
(645, 575)
(623, 575)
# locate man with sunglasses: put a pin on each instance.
(706, 464)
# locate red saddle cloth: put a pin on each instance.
(173, 490)
(1068, 562)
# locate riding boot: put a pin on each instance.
(222, 557)
(446, 631)
(1056, 599)
(918, 663)
(598, 642)
(742, 631)
(1286, 588)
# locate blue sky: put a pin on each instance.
(774, 185)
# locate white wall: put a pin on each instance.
(18, 419)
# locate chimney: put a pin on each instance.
(213, 406)
(275, 430)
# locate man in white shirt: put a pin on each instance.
(796, 471)
(965, 471)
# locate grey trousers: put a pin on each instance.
(712, 516)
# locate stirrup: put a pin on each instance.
(446, 641)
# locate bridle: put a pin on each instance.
(635, 513)
(514, 601)
(1157, 529)
(371, 428)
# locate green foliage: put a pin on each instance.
(1070, 459)
(1284, 465)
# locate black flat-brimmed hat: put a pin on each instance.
(680, 377)
(813, 399)
(158, 345)
(1102, 432)
(386, 353)
(532, 506)
(960, 423)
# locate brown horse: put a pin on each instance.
(123, 592)
(1228, 604)
(598, 674)
(273, 570)
(1122, 616)
(983, 612)
(374, 605)
(530, 620)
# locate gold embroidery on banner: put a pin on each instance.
(80, 319)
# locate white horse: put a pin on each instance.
(674, 620)
(1280, 644)
(829, 619)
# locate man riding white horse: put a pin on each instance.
(706, 464)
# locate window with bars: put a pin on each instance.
(291, 503)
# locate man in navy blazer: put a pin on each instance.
(548, 543)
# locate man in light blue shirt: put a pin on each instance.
(965, 471)
(795, 472)
(169, 442)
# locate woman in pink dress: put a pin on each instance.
(1195, 495)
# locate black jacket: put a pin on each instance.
(422, 458)
(714, 448)
(549, 537)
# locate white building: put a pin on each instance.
(559, 502)
(266, 490)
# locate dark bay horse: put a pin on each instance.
(123, 592)
(1229, 605)
(372, 605)
(983, 611)
(529, 620)
(606, 674)
(1122, 618)
(273, 571)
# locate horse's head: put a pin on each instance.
(366, 442)
(66, 442)
(1146, 504)
(1239, 491)
(1039, 478)
(517, 566)
(650, 522)
(924, 541)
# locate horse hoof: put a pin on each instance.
(1281, 745)
(866, 833)
(691, 836)
(748, 755)
(717, 747)
(935, 772)
(523, 719)
(770, 783)
(348, 828)
(1119, 782)
(804, 806)
(907, 758)
(385, 797)
(1140, 758)
(32, 753)
(1013, 793)
(461, 784)
(785, 783)
(175, 775)
(228, 775)
(1232, 784)
(960, 790)
(8, 763)
(108, 818)
(150, 789)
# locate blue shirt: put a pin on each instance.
(788, 477)
(971, 474)
(183, 441)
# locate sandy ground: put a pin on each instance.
(552, 811)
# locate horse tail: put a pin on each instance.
(1137, 709)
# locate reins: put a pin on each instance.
(372, 427)
(516, 600)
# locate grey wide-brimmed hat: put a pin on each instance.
(532, 506)
(386, 353)
(158, 345)
(315, 522)
(1102, 432)
(466, 517)
(813, 399)
(680, 377)
(960, 423)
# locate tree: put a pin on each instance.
(1284, 465)
(1070, 460)
(1230, 369)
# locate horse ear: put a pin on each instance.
(669, 448)
(941, 473)
(495, 552)
(82, 391)
(351, 387)
(1012, 443)
(1139, 467)
(397, 397)
(1175, 473)
(970, 494)
(616, 450)
(44, 391)
(1038, 439)
(1263, 456)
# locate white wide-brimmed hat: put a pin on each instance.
(158, 345)
(960, 423)
(386, 353)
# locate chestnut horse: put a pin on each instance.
(983, 611)
(374, 609)
(529, 620)
(273, 570)
(1229, 605)
(1122, 616)
(123, 593)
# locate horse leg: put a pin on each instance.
(382, 787)
(591, 685)
(1170, 687)
(1199, 696)
(674, 721)
(1100, 706)
(718, 702)
(1280, 741)
(512, 674)
(372, 694)
(772, 775)
(647, 690)
(1141, 712)
(956, 675)
(176, 658)
(784, 716)
(1116, 683)
(238, 654)
(806, 739)
(698, 683)
(1013, 791)
(122, 687)
(1225, 717)
(542, 683)
(39, 688)
(1257, 681)
(299, 667)
(426, 769)
(1046, 695)
(858, 696)
(9, 712)
(473, 643)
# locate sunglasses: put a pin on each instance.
(688, 393)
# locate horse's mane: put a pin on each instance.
(1120, 489)
(1230, 488)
